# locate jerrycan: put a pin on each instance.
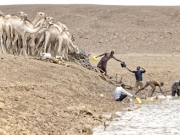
(95, 59)
(123, 64)
(138, 101)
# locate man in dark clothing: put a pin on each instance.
(103, 62)
(138, 74)
(176, 88)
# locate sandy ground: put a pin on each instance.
(43, 98)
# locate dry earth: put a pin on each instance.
(44, 98)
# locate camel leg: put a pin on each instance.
(4, 41)
(13, 44)
(47, 37)
(1, 42)
(39, 45)
(30, 47)
(66, 51)
(59, 47)
(19, 45)
(8, 40)
(24, 44)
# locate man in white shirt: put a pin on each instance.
(120, 93)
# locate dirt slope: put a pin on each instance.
(44, 98)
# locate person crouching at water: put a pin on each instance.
(175, 88)
(120, 93)
(153, 85)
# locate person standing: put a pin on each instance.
(120, 93)
(153, 85)
(175, 88)
(103, 62)
(138, 75)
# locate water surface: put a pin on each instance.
(153, 117)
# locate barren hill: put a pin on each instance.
(125, 29)
(42, 98)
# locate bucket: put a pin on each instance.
(95, 59)
(138, 101)
(101, 95)
(123, 64)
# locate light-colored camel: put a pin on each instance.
(35, 37)
(22, 29)
(5, 37)
(60, 40)
(59, 27)
(10, 24)
(48, 37)
(64, 43)
(15, 27)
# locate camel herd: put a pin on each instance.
(18, 35)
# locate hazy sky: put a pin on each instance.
(101, 2)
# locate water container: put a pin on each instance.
(123, 64)
(138, 101)
(101, 95)
(95, 59)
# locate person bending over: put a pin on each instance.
(153, 85)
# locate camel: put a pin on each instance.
(49, 37)
(14, 25)
(22, 29)
(10, 24)
(35, 37)
(59, 38)
(4, 31)
(55, 28)
(65, 41)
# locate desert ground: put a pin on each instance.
(38, 97)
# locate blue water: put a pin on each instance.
(152, 117)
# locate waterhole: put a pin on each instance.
(152, 117)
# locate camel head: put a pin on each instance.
(41, 15)
(49, 19)
(47, 22)
(64, 27)
(22, 15)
